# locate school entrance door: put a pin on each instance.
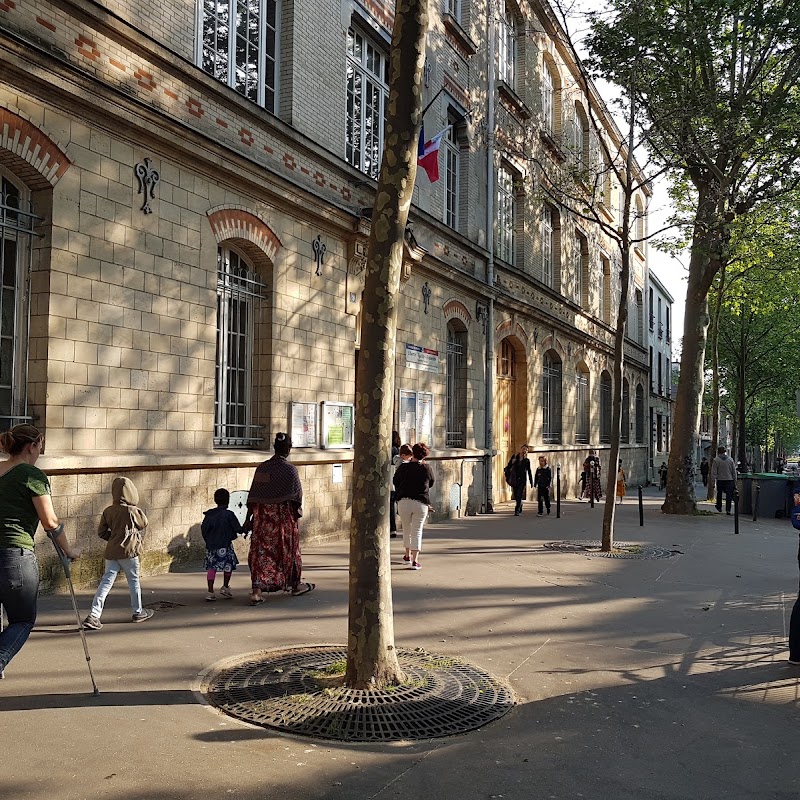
(510, 411)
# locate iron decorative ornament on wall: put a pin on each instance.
(426, 296)
(148, 180)
(319, 248)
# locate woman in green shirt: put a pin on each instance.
(24, 502)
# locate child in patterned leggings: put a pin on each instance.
(220, 528)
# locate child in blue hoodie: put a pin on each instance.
(219, 528)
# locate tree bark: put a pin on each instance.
(371, 655)
(680, 495)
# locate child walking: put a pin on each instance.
(542, 480)
(121, 526)
(219, 528)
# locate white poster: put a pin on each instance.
(422, 358)
(304, 424)
(415, 418)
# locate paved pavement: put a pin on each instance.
(636, 679)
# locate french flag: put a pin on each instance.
(428, 153)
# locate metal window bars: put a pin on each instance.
(455, 429)
(551, 402)
(240, 300)
(17, 230)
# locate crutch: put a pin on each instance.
(65, 562)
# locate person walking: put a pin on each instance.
(412, 482)
(121, 526)
(621, 482)
(591, 466)
(219, 529)
(519, 469)
(274, 506)
(542, 480)
(25, 501)
(723, 471)
(396, 444)
(704, 470)
(662, 476)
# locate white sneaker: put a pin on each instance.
(211, 596)
(226, 592)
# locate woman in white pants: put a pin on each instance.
(412, 481)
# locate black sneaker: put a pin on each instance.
(143, 615)
(92, 623)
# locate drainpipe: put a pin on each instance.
(489, 441)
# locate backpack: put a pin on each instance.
(508, 472)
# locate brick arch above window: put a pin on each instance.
(455, 308)
(30, 152)
(235, 222)
(511, 327)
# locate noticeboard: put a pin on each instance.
(337, 425)
(303, 424)
(415, 418)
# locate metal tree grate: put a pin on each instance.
(293, 691)
(588, 547)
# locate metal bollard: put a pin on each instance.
(641, 509)
(736, 511)
(755, 502)
(558, 491)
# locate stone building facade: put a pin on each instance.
(186, 198)
(660, 395)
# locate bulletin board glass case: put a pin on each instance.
(337, 425)
(303, 424)
(415, 417)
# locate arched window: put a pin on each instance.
(506, 365)
(605, 407)
(639, 414)
(626, 412)
(17, 223)
(456, 420)
(240, 291)
(581, 404)
(551, 398)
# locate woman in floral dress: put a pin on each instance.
(274, 506)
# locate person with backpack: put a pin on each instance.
(121, 526)
(518, 473)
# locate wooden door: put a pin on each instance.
(505, 385)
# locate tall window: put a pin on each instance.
(506, 47)
(652, 316)
(626, 412)
(547, 245)
(605, 407)
(551, 398)
(639, 414)
(669, 335)
(366, 103)
(639, 321)
(452, 176)
(548, 99)
(456, 422)
(505, 219)
(16, 231)
(506, 361)
(605, 291)
(577, 268)
(582, 136)
(453, 7)
(582, 405)
(239, 46)
(239, 295)
(660, 374)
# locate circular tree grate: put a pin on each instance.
(588, 547)
(293, 690)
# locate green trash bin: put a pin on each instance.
(744, 485)
(773, 499)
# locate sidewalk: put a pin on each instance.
(636, 679)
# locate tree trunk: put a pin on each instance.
(680, 496)
(371, 655)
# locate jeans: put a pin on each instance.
(725, 487)
(130, 566)
(794, 625)
(543, 496)
(518, 493)
(19, 587)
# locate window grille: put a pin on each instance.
(455, 433)
(551, 401)
(240, 293)
(582, 408)
(366, 103)
(605, 408)
(17, 224)
(239, 46)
